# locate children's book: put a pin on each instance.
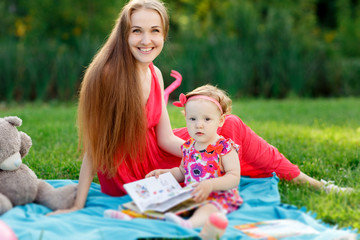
(276, 229)
(184, 209)
(152, 196)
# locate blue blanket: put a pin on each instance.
(261, 202)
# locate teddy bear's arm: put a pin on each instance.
(5, 204)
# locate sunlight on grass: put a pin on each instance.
(321, 136)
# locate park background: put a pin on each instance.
(291, 67)
(252, 48)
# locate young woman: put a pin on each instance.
(124, 126)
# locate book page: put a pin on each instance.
(169, 203)
(153, 191)
(183, 208)
(275, 229)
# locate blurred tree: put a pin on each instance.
(63, 20)
(326, 12)
(349, 27)
(267, 48)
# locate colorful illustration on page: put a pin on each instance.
(142, 191)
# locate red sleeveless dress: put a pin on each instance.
(257, 157)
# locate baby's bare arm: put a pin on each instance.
(231, 179)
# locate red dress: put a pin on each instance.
(257, 157)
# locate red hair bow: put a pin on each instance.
(218, 149)
(182, 101)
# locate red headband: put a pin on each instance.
(184, 100)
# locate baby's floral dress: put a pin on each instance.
(205, 164)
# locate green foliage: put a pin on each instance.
(349, 23)
(63, 20)
(52, 71)
(263, 48)
(306, 48)
(321, 136)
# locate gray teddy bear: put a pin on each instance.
(18, 183)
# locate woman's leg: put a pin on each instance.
(322, 185)
(259, 159)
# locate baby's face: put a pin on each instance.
(203, 118)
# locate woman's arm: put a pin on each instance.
(231, 179)
(165, 137)
(85, 179)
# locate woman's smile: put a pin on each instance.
(146, 50)
(146, 38)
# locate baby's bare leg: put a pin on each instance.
(202, 214)
(198, 219)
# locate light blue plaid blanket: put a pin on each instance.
(261, 202)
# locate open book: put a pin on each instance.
(154, 196)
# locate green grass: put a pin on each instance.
(321, 136)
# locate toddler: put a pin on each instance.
(209, 161)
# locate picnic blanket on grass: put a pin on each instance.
(261, 202)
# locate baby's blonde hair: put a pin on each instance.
(214, 92)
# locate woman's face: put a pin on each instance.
(146, 38)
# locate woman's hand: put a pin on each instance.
(62, 211)
(202, 190)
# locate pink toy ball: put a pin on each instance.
(6, 233)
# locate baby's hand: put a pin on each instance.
(155, 173)
(202, 191)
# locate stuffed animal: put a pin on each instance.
(18, 183)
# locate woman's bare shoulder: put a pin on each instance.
(159, 75)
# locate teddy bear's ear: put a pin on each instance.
(15, 121)
(25, 144)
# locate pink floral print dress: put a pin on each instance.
(206, 164)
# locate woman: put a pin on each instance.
(124, 132)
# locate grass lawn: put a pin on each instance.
(321, 136)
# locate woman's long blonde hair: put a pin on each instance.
(111, 112)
